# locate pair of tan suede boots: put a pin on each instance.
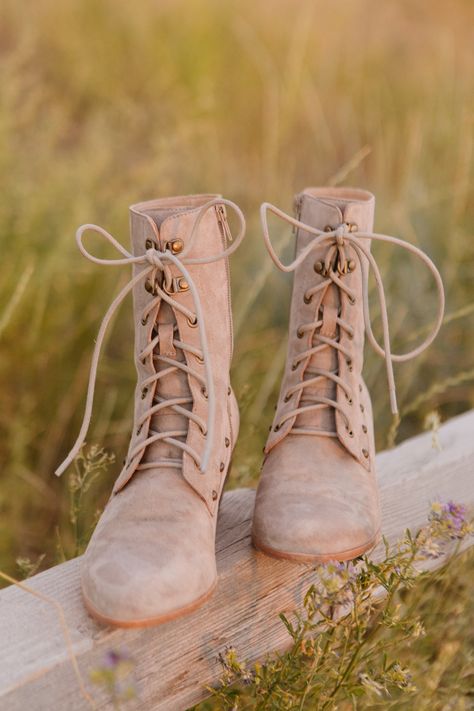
(152, 555)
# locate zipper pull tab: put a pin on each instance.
(223, 224)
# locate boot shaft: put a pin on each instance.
(170, 224)
(326, 209)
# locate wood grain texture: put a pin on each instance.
(174, 662)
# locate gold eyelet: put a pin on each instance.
(229, 390)
(227, 442)
(328, 228)
(145, 320)
(365, 453)
(276, 428)
(306, 299)
(318, 267)
(349, 399)
(350, 432)
(286, 398)
(352, 226)
(144, 393)
(203, 431)
(351, 336)
(149, 286)
(214, 495)
(204, 392)
(139, 429)
(351, 265)
(149, 244)
(361, 407)
(175, 246)
(352, 300)
(199, 359)
(299, 333)
(192, 322)
(221, 467)
(364, 429)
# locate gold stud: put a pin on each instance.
(351, 265)
(183, 284)
(319, 267)
(353, 227)
(176, 246)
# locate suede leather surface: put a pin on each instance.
(317, 495)
(153, 550)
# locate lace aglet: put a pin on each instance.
(69, 459)
(62, 467)
(393, 402)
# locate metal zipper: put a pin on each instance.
(226, 235)
(223, 224)
(297, 204)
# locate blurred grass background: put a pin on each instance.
(104, 103)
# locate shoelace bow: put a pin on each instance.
(334, 266)
(161, 261)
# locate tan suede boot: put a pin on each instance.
(317, 499)
(151, 557)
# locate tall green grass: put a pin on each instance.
(105, 102)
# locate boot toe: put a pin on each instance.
(315, 509)
(143, 564)
(313, 530)
(133, 586)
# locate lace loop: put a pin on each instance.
(338, 239)
(158, 261)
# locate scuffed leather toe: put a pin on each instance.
(144, 564)
(315, 508)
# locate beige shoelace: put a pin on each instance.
(335, 265)
(160, 262)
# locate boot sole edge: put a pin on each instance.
(341, 556)
(149, 621)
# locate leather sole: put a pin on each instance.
(149, 621)
(340, 556)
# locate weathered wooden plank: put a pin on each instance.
(176, 661)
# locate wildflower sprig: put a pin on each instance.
(346, 639)
(88, 465)
(115, 674)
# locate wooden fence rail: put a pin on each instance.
(174, 662)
